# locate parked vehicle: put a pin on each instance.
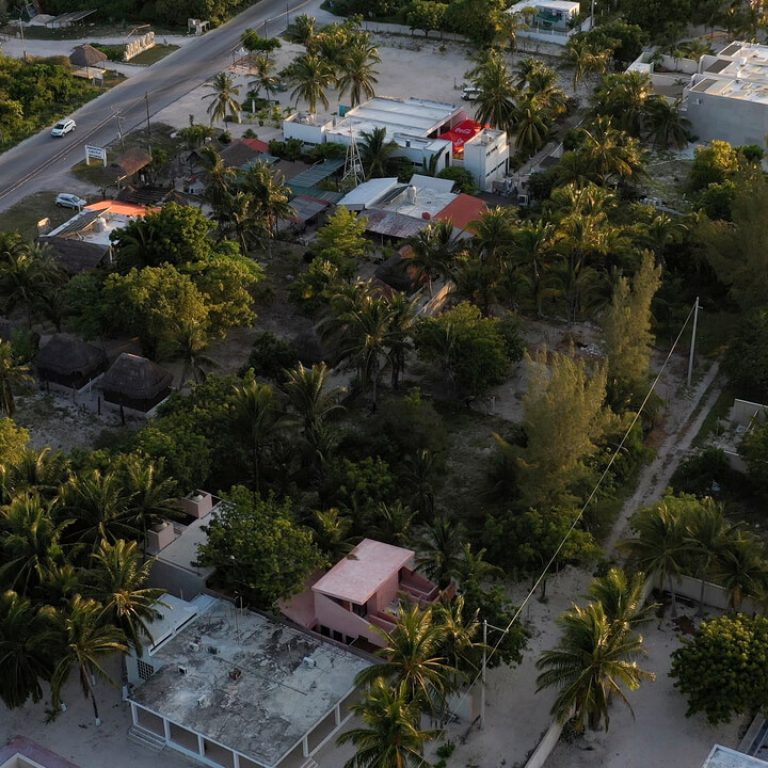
(470, 93)
(63, 127)
(65, 200)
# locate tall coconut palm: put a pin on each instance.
(311, 76)
(495, 103)
(593, 662)
(357, 74)
(532, 127)
(40, 472)
(30, 542)
(459, 630)
(376, 152)
(413, 658)
(610, 155)
(224, 98)
(664, 125)
(580, 55)
(431, 251)
(494, 235)
(438, 549)
(256, 416)
(12, 373)
(271, 198)
(659, 546)
(530, 256)
(85, 640)
(265, 77)
(308, 397)
(706, 534)
(390, 736)
(742, 569)
(118, 581)
(99, 508)
(622, 597)
(623, 98)
(27, 649)
(402, 322)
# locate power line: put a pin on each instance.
(578, 517)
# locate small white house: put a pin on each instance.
(486, 157)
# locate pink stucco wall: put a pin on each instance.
(332, 615)
(385, 594)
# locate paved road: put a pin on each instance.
(25, 168)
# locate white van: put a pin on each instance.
(470, 93)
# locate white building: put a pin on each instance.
(413, 124)
(728, 97)
(233, 689)
(723, 757)
(553, 20)
(486, 157)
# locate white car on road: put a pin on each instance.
(63, 127)
(65, 200)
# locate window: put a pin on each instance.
(359, 610)
(338, 636)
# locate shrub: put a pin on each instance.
(271, 356)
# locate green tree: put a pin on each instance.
(495, 103)
(376, 153)
(12, 373)
(431, 251)
(264, 68)
(357, 74)
(341, 240)
(622, 597)
(271, 197)
(311, 76)
(665, 126)
(471, 350)
(721, 669)
(26, 658)
(84, 640)
(565, 416)
(623, 97)
(746, 361)
(713, 163)
(258, 549)
(390, 736)
(581, 55)
(742, 568)
(224, 98)
(118, 581)
(425, 15)
(439, 549)
(532, 127)
(594, 661)
(13, 442)
(627, 328)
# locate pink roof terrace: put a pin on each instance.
(360, 574)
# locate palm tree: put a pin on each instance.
(459, 636)
(356, 73)
(664, 125)
(151, 495)
(622, 597)
(302, 30)
(390, 736)
(85, 640)
(610, 154)
(99, 507)
(403, 312)
(118, 581)
(706, 533)
(30, 542)
(580, 54)
(623, 97)
(495, 103)
(311, 76)
(494, 235)
(257, 417)
(530, 255)
(659, 546)
(306, 390)
(11, 374)
(26, 649)
(413, 659)
(271, 198)
(593, 662)
(223, 97)
(431, 251)
(264, 67)
(742, 568)
(41, 472)
(376, 153)
(391, 523)
(439, 551)
(532, 127)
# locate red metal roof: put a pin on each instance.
(463, 210)
(257, 144)
(461, 133)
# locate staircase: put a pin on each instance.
(310, 763)
(146, 739)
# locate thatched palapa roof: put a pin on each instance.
(136, 379)
(87, 56)
(67, 355)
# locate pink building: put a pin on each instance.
(361, 591)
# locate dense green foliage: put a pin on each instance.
(721, 669)
(37, 93)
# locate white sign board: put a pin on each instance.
(95, 153)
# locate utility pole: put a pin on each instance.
(119, 118)
(149, 136)
(287, 11)
(592, 16)
(693, 339)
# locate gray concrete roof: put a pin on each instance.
(254, 693)
(723, 757)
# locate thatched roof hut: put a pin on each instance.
(135, 382)
(69, 361)
(87, 56)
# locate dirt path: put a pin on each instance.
(683, 424)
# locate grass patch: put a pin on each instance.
(87, 30)
(149, 57)
(23, 216)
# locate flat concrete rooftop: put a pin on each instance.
(241, 680)
(723, 757)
